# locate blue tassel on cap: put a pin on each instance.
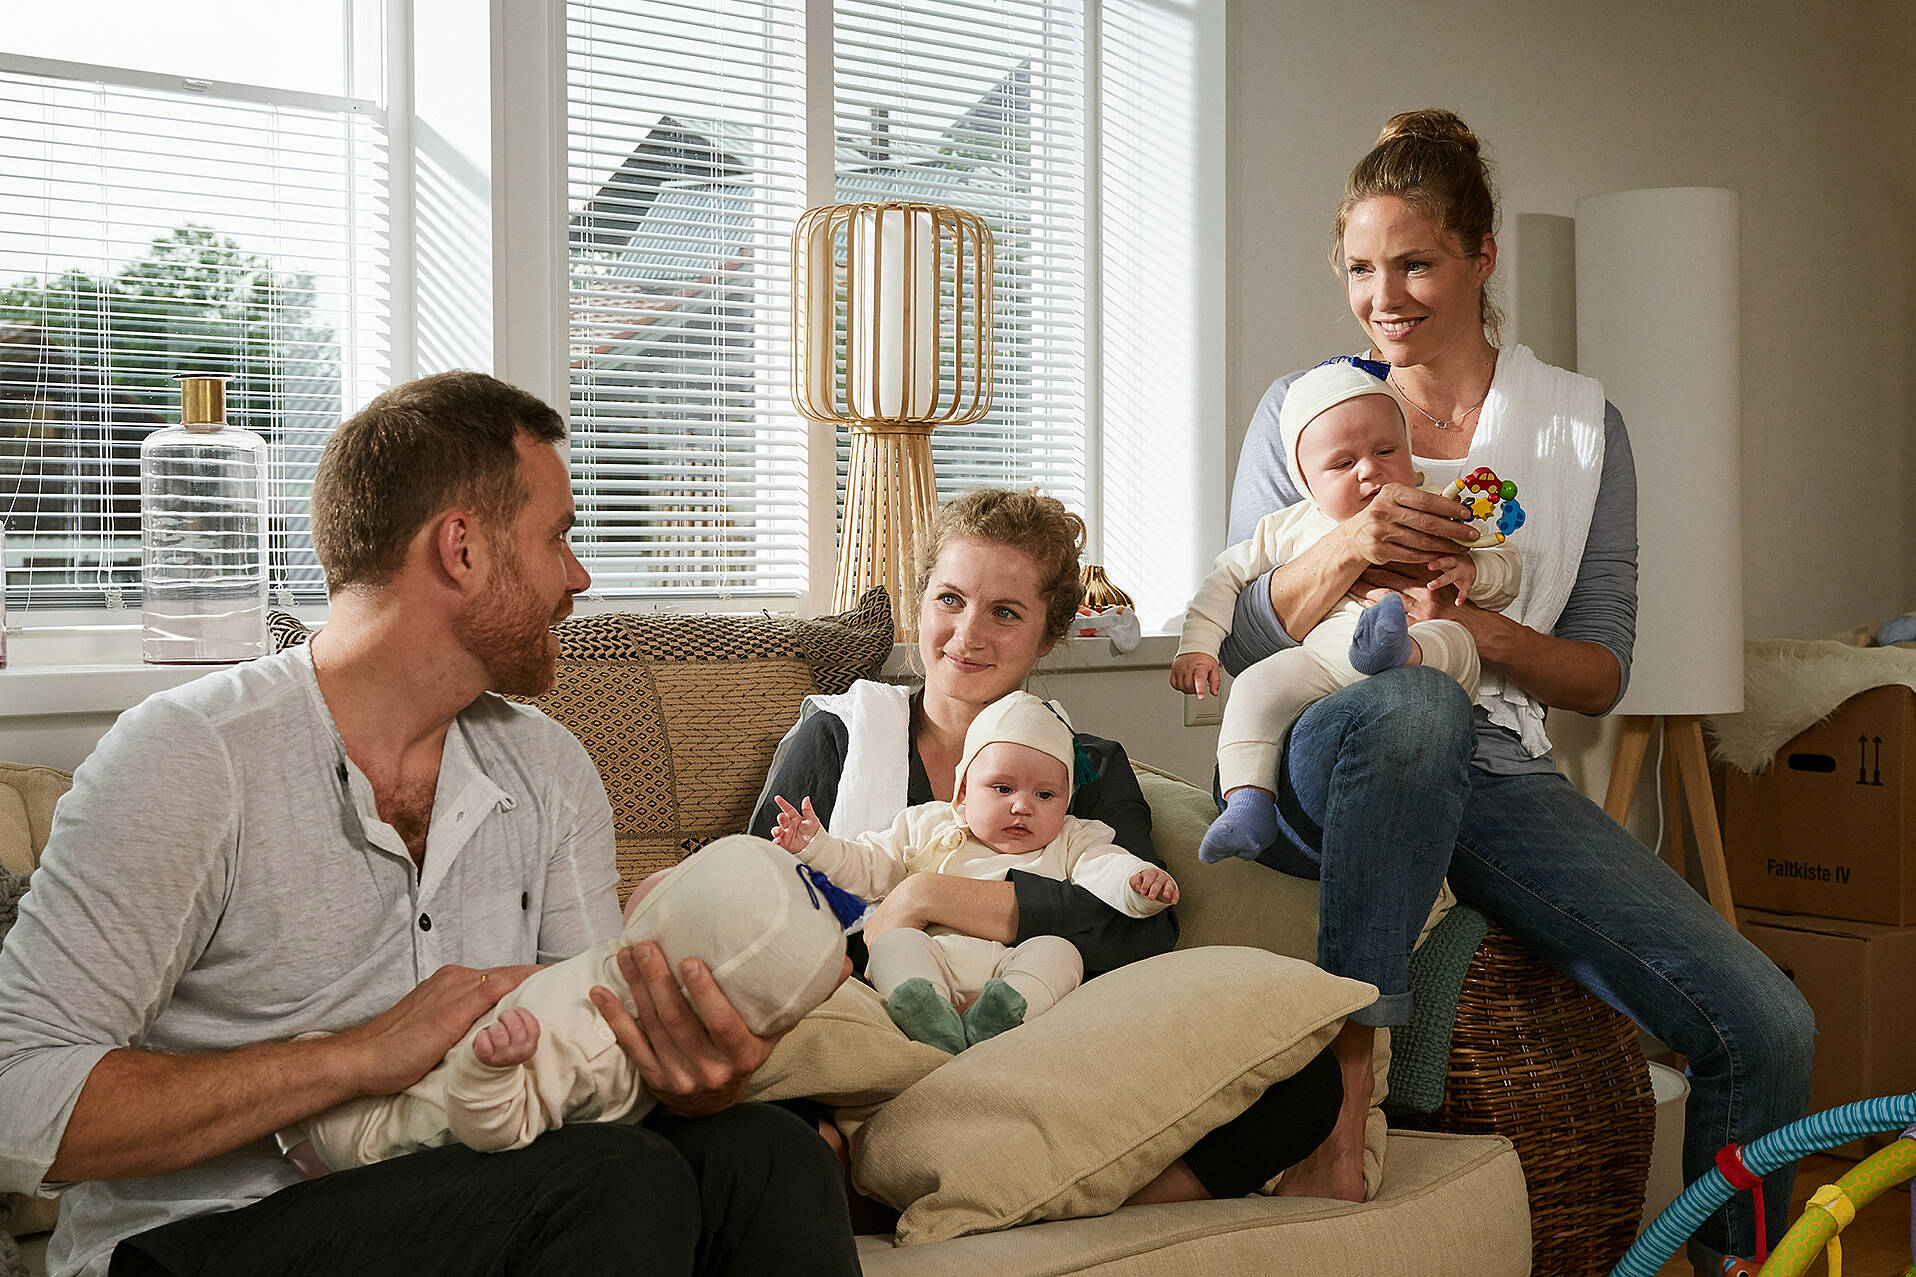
(850, 911)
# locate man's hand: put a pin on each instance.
(796, 827)
(398, 1046)
(144, 1113)
(1196, 672)
(694, 1057)
(1154, 884)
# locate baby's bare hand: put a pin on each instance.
(508, 1041)
(1458, 570)
(796, 827)
(1155, 884)
(1194, 672)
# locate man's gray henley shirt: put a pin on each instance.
(219, 876)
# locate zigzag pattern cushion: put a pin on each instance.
(681, 712)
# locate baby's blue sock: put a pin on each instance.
(925, 1016)
(1382, 641)
(1246, 826)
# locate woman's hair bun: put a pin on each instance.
(1433, 124)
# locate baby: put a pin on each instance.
(1344, 436)
(1010, 809)
(772, 932)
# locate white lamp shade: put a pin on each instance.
(894, 314)
(1657, 324)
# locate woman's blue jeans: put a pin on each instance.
(1380, 803)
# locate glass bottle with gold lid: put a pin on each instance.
(202, 534)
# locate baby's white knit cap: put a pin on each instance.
(741, 906)
(1021, 719)
(1318, 391)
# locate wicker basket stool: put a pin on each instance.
(1536, 1059)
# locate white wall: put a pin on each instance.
(1799, 108)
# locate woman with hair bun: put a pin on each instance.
(1390, 785)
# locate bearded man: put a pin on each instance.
(360, 841)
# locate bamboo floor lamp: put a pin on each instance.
(891, 326)
(1657, 324)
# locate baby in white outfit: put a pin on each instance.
(764, 925)
(1345, 438)
(1010, 810)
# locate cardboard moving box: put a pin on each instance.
(1858, 978)
(1830, 829)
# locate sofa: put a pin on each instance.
(1534, 1160)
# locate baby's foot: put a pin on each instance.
(999, 1007)
(1382, 641)
(1246, 826)
(924, 1015)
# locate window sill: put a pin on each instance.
(37, 690)
(110, 677)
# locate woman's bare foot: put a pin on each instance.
(1335, 1168)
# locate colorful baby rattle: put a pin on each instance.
(1482, 492)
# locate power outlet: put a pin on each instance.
(1205, 711)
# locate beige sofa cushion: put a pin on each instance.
(1453, 1206)
(1069, 1115)
(28, 795)
(1240, 902)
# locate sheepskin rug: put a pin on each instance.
(1789, 684)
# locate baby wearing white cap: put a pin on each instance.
(765, 926)
(1010, 810)
(1344, 436)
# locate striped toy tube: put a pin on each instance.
(1818, 1225)
(1786, 1144)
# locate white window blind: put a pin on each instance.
(686, 166)
(685, 174)
(151, 226)
(980, 104)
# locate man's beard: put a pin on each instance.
(508, 631)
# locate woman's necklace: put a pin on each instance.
(1457, 420)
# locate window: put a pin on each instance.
(685, 173)
(982, 106)
(689, 160)
(626, 253)
(154, 223)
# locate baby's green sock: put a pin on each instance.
(999, 1007)
(917, 1008)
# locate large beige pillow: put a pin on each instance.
(1069, 1115)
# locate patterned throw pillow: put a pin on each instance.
(681, 711)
